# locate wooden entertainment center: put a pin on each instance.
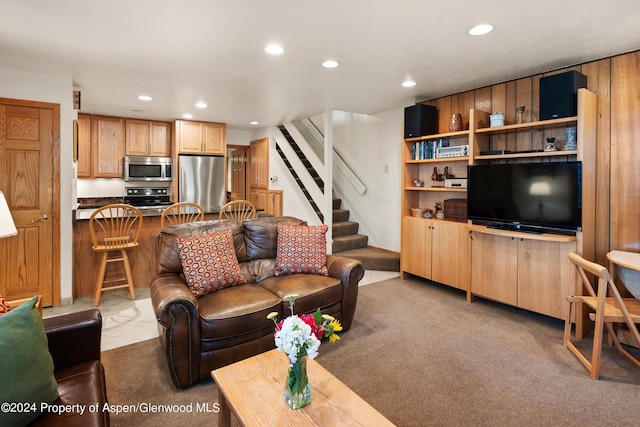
(530, 271)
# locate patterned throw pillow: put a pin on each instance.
(301, 249)
(209, 262)
(4, 306)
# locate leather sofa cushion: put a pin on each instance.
(79, 384)
(313, 291)
(236, 311)
(169, 255)
(260, 235)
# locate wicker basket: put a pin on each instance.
(455, 209)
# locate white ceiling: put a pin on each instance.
(183, 51)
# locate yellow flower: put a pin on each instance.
(328, 317)
(272, 315)
(334, 326)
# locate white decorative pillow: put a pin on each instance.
(209, 262)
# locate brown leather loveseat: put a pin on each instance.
(228, 325)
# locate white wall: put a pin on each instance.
(57, 90)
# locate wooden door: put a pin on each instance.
(274, 201)
(108, 139)
(238, 177)
(30, 180)
(450, 254)
(84, 146)
(494, 267)
(416, 246)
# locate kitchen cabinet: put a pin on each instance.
(84, 146)
(200, 137)
(530, 272)
(274, 202)
(148, 138)
(437, 250)
(108, 146)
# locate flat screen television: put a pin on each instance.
(530, 197)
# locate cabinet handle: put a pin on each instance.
(471, 234)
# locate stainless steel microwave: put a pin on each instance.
(140, 168)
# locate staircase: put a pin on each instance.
(347, 242)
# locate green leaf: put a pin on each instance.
(317, 316)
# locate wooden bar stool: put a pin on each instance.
(238, 210)
(180, 213)
(114, 230)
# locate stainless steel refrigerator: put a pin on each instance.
(201, 179)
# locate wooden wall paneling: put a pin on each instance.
(444, 114)
(599, 82)
(625, 155)
(523, 97)
(482, 99)
(498, 103)
(534, 113)
(466, 103)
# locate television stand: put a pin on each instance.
(522, 229)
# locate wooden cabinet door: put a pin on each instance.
(416, 246)
(214, 138)
(29, 143)
(544, 276)
(108, 136)
(450, 254)
(188, 137)
(137, 137)
(274, 202)
(84, 146)
(494, 267)
(160, 139)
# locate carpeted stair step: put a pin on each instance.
(340, 215)
(374, 259)
(344, 228)
(347, 243)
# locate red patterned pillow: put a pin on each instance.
(301, 249)
(4, 306)
(209, 262)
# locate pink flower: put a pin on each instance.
(315, 328)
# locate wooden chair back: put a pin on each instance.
(114, 227)
(180, 213)
(238, 210)
(608, 308)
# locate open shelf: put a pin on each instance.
(532, 126)
(528, 155)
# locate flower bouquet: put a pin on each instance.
(299, 337)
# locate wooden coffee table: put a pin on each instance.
(253, 390)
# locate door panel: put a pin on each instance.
(27, 138)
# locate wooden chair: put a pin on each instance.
(607, 311)
(238, 210)
(18, 302)
(114, 231)
(180, 213)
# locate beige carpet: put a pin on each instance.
(422, 356)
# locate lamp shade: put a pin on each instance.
(7, 227)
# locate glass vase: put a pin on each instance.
(297, 391)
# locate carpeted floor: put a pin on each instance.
(422, 356)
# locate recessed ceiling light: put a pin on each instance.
(408, 83)
(254, 123)
(481, 29)
(144, 98)
(187, 116)
(274, 49)
(330, 64)
(201, 104)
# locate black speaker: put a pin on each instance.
(559, 94)
(420, 120)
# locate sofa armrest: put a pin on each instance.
(74, 337)
(349, 271)
(176, 309)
